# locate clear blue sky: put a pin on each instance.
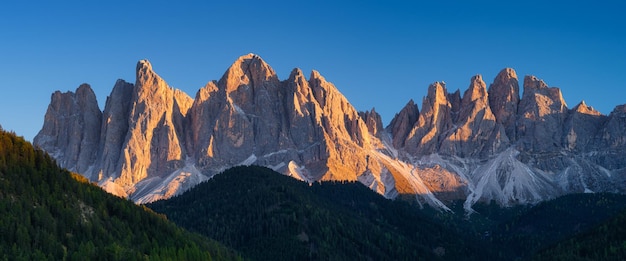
(378, 53)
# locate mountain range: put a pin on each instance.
(491, 143)
(49, 213)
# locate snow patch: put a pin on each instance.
(277, 167)
(249, 161)
(298, 172)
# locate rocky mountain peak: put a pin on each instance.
(373, 121)
(205, 92)
(248, 70)
(153, 141)
(402, 122)
(619, 110)
(434, 120)
(541, 115)
(455, 103)
(84, 92)
(113, 129)
(583, 108)
(321, 88)
(476, 90)
(546, 100)
(148, 82)
(315, 76)
(296, 75)
(144, 65)
(531, 82)
(504, 98)
(71, 128)
(505, 74)
(475, 132)
(437, 94)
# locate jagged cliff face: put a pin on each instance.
(511, 149)
(153, 141)
(71, 129)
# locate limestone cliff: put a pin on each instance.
(153, 141)
(71, 129)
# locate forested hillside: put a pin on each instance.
(606, 241)
(47, 213)
(521, 232)
(268, 216)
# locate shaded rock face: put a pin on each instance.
(581, 128)
(113, 128)
(504, 99)
(402, 123)
(153, 141)
(613, 140)
(71, 129)
(541, 114)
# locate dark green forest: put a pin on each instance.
(606, 241)
(521, 232)
(268, 216)
(47, 213)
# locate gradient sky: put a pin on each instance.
(378, 53)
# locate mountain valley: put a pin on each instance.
(50, 214)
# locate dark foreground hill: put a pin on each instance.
(47, 213)
(268, 216)
(522, 232)
(606, 241)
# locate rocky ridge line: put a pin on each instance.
(153, 141)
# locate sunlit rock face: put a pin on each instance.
(373, 121)
(475, 132)
(509, 149)
(155, 136)
(153, 141)
(434, 120)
